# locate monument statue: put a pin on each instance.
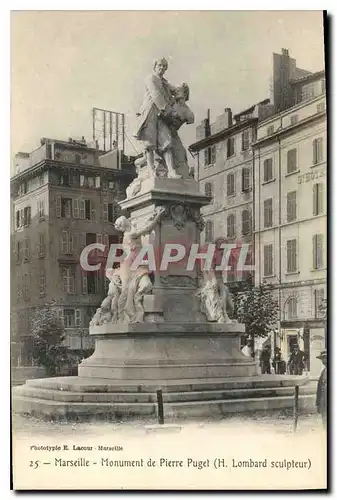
(124, 303)
(163, 112)
(108, 311)
(215, 298)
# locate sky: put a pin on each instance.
(64, 63)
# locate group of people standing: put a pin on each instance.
(295, 366)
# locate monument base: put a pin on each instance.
(167, 351)
(199, 369)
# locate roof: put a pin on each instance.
(308, 78)
(218, 136)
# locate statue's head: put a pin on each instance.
(160, 66)
(183, 92)
(123, 224)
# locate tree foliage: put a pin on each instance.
(258, 309)
(48, 336)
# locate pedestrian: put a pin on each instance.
(278, 363)
(321, 395)
(296, 361)
(265, 360)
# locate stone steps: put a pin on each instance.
(79, 398)
(150, 397)
(87, 385)
(49, 409)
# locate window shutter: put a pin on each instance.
(76, 211)
(92, 213)
(58, 206)
(314, 251)
(64, 242)
(60, 315)
(84, 282)
(22, 217)
(78, 317)
(106, 243)
(82, 209)
(319, 198)
(71, 242)
(315, 199)
(319, 251)
(105, 212)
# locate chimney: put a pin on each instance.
(204, 130)
(224, 121)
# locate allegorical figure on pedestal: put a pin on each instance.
(163, 112)
(135, 283)
(124, 302)
(216, 301)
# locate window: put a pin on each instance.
(245, 140)
(87, 205)
(41, 246)
(97, 182)
(19, 248)
(267, 170)
(23, 188)
(245, 179)
(230, 147)
(82, 209)
(291, 256)
(25, 286)
(321, 107)
(319, 303)
(110, 212)
(317, 244)
(26, 248)
(291, 161)
(111, 185)
(68, 280)
(268, 212)
(66, 207)
(270, 130)
(17, 219)
(40, 209)
(268, 260)
(41, 180)
(230, 184)
(77, 159)
(291, 206)
(64, 180)
(308, 92)
(210, 155)
(209, 232)
(246, 222)
(209, 189)
(292, 308)
(231, 226)
(317, 147)
(293, 119)
(72, 318)
(82, 180)
(91, 182)
(42, 283)
(66, 242)
(318, 198)
(76, 209)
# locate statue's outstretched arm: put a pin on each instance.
(151, 223)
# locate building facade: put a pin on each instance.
(290, 168)
(63, 197)
(224, 170)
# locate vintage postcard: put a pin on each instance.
(168, 250)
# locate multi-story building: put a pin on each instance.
(224, 170)
(64, 196)
(290, 215)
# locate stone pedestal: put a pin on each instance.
(167, 351)
(175, 342)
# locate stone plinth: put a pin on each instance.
(162, 351)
